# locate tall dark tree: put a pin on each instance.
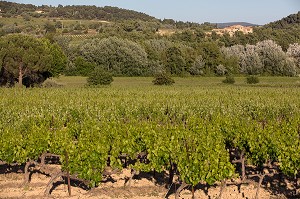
(25, 58)
(49, 28)
(175, 63)
(211, 54)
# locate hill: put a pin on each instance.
(286, 22)
(225, 25)
(107, 13)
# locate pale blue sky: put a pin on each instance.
(253, 11)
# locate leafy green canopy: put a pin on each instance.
(29, 60)
(119, 56)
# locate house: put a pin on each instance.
(232, 29)
(39, 11)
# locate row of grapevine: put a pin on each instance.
(192, 133)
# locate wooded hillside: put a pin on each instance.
(73, 12)
(129, 43)
(287, 22)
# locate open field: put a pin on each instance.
(193, 129)
(132, 82)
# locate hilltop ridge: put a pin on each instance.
(107, 13)
(286, 22)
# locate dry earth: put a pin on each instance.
(11, 186)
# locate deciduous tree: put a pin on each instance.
(274, 59)
(294, 52)
(119, 56)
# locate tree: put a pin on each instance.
(28, 60)
(198, 66)
(294, 52)
(265, 57)
(220, 70)
(233, 57)
(250, 62)
(58, 24)
(211, 54)
(274, 59)
(118, 56)
(226, 39)
(82, 67)
(175, 63)
(156, 47)
(59, 59)
(49, 28)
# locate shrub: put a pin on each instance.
(252, 79)
(100, 77)
(26, 17)
(163, 79)
(65, 30)
(229, 80)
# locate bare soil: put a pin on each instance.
(142, 187)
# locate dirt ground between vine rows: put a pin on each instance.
(11, 186)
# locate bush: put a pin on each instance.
(163, 79)
(100, 77)
(65, 30)
(229, 80)
(252, 79)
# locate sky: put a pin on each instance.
(215, 11)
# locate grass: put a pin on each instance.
(72, 81)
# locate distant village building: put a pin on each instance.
(39, 11)
(232, 29)
(165, 32)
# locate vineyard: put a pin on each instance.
(194, 134)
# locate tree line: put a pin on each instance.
(137, 48)
(29, 60)
(110, 13)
